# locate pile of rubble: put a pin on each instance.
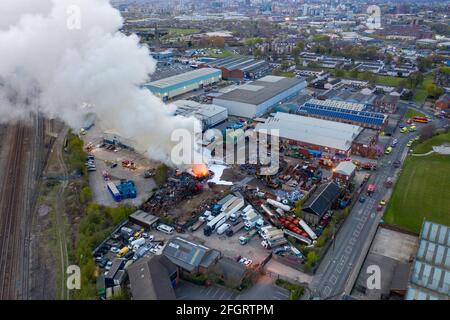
(178, 188)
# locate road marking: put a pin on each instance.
(348, 249)
(326, 291)
(333, 279)
(223, 293)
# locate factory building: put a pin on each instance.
(209, 114)
(240, 68)
(256, 98)
(346, 112)
(171, 87)
(430, 272)
(311, 133)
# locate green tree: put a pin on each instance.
(311, 259)
(424, 63)
(86, 195)
(434, 91)
(300, 46)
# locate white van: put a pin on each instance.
(165, 228)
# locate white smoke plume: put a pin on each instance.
(47, 65)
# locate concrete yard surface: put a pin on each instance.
(230, 246)
(389, 249)
(396, 245)
(263, 289)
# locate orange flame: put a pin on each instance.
(200, 170)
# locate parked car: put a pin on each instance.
(108, 265)
(394, 143)
(362, 199)
(115, 250)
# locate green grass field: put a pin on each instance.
(382, 80)
(413, 113)
(225, 54)
(421, 93)
(389, 81)
(179, 32)
(422, 190)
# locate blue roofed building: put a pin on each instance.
(171, 87)
(430, 273)
(346, 112)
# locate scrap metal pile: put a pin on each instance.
(178, 188)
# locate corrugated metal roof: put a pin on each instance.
(430, 275)
(268, 89)
(180, 78)
(314, 131)
(186, 254)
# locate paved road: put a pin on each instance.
(339, 265)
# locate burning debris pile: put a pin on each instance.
(200, 172)
(179, 187)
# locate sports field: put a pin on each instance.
(423, 190)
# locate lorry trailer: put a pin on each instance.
(224, 227)
(233, 230)
(307, 229)
(280, 205)
(212, 225)
(298, 237)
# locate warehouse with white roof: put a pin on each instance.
(210, 115)
(179, 84)
(255, 98)
(311, 133)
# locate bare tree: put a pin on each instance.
(427, 131)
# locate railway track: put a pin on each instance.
(11, 204)
(22, 166)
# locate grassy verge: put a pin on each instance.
(296, 290)
(95, 222)
(413, 113)
(427, 145)
(422, 189)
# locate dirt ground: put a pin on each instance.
(186, 209)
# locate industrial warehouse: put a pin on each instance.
(171, 87)
(316, 134)
(256, 98)
(347, 112)
(241, 68)
(209, 114)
